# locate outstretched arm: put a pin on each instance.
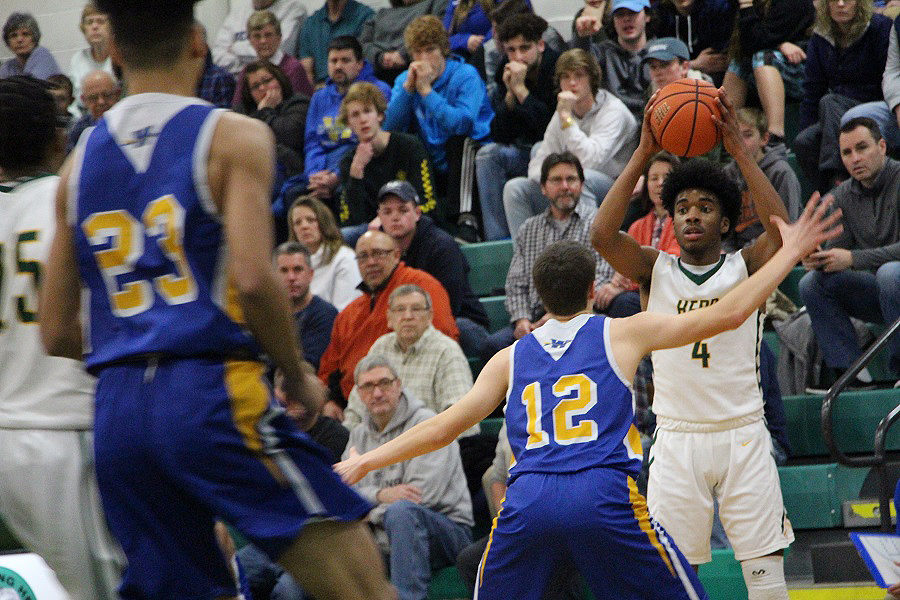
(766, 200)
(635, 336)
(441, 429)
(619, 249)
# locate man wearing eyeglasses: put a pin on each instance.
(365, 319)
(432, 365)
(562, 178)
(99, 91)
(423, 511)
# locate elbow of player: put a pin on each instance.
(734, 319)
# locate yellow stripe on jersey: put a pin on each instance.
(233, 307)
(490, 540)
(639, 505)
(249, 398)
(633, 443)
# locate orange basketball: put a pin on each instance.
(682, 118)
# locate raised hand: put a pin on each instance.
(813, 228)
(728, 127)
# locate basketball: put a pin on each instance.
(682, 119)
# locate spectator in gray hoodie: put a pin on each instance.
(424, 494)
(625, 73)
(772, 160)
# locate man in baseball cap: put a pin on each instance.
(668, 59)
(423, 245)
(621, 58)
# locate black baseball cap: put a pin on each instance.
(402, 189)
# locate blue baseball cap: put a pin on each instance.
(632, 5)
(666, 49)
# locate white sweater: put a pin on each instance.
(336, 281)
(603, 139)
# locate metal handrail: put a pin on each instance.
(877, 459)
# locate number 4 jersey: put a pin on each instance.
(714, 380)
(569, 406)
(36, 391)
(149, 240)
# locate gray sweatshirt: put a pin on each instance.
(871, 218)
(438, 474)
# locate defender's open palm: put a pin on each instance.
(814, 227)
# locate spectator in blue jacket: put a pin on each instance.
(327, 139)
(845, 59)
(468, 24)
(704, 25)
(444, 101)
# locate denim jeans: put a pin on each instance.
(832, 298)
(495, 164)
(522, 198)
(881, 114)
(421, 540)
(817, 148)
(471, 336)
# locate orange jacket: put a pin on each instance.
(365, 320)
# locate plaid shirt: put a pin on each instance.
(434, 370)
(216, 84)
(535, 234)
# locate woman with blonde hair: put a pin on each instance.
(845, 59)
(336, 274)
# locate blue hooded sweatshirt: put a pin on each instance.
(326, 141)
(457, 105)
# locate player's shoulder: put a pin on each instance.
(237, 134)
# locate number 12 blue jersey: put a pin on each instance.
(569, 408)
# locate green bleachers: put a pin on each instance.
(791, 121)
(495, 307)
(488, 263)
(813, 494)
(791, 283)
(855, 418)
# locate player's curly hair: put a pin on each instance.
(706, 175)
(28, 122)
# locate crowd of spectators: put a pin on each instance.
(402, 133)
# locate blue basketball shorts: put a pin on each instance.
(599, 520)
(181, 443)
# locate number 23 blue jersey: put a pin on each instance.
(569, 408)
(149, 240)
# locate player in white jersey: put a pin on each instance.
(48, 494)
(711, 441)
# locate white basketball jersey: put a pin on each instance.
(36, 391)
(714, 380)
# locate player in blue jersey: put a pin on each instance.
(162, 219)
(570, 423)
